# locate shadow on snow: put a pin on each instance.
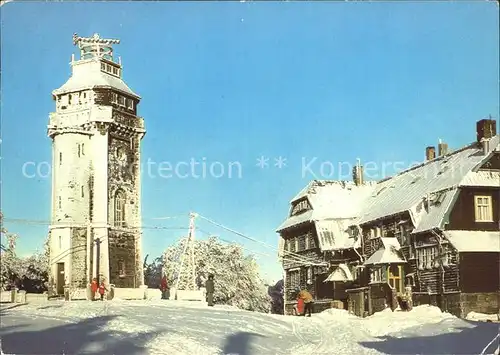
(84, 337)
(240, 343)
(471, 338)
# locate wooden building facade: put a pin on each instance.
(432, 233)
(316, 250)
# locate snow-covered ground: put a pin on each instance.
(170, 327)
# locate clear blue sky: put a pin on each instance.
(233, 81)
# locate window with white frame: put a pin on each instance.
(372, 233)
(121, 268)
(378, 274)
(427, 257)
(309, 275)
(121, 100)
(114, 97)
(293, 279)
(120, 208)
(483, 208)
(130, 104)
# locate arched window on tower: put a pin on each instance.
(120, 208)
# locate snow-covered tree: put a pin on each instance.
(153, 272)
(236, 276)
(29, 273)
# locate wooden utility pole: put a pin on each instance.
(98, 258)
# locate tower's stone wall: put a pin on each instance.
(122, 250)
(79, 257)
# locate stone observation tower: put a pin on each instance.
(96, 134)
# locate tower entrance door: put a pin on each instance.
(60, 279)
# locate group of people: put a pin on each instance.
(209, 289)
(96, 287)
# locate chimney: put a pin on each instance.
(430, 153)
(486, 129)
(357, 174)
(442, 148)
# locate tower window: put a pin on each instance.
(60, 158)
(83, 192)
(83, 150)
(120, 209)
(114, 97)
(130, 104)
(79, 150)
(115, 71)
(59, 202)
(69, 99)
(60, 242)
(103, 66)
(121, 100)
(121, 268)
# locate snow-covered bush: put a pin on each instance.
(236, 276)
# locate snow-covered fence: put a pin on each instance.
(190, 295)
(130, 293)
(153, 294)
(15, 296)
(7, 296)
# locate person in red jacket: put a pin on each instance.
(164, 287)
(102, 289)
(93, 288)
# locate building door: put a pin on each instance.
(60, 279)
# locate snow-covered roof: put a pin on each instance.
(329, 199)
(333, 234)
(488, 178)
(340, 273)
(88, 75)
(409, 190)
(387, 254)
(474, 241)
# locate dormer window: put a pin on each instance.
(110, 69)
(300, 207)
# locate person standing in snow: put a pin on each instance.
(308, 302)
(102, 289)
(210, 288)
(164, 287)
(93, 288)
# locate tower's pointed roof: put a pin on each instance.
(89, 72)
(92, 78)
